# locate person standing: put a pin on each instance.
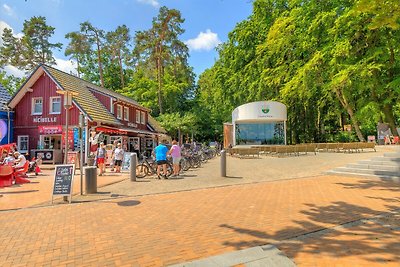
(161, 158)
(119, 156)
(175, 152)
(112, 162)
(101, 155)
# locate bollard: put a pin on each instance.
(223, 163)
(132, 167)
(91, 180)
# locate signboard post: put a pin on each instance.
(63, 181)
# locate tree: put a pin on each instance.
(32, 49)
(159, 48)
(78, 48)
(10, 82)
(118, 45)
(95, 36)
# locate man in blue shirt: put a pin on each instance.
(161, 159)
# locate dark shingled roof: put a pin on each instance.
(4, 97)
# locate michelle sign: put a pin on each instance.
(46, 119)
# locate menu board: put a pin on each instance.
(63, 181)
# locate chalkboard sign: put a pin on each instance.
(63, 181)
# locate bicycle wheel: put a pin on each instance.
(170, 169)
(185, 165)
(141, 171)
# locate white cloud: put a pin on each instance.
(204, 41)
(8, 10)
(11, 70)
(68, 66)
(154, 3)
(4, 25)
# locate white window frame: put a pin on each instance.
(137, 116)
(51, 105)
(34, 104)
(126, 113)
(119, 112)
(19, 143)
(142, 117)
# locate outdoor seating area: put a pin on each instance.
(10, 175)
(299, 149)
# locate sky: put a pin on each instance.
(207, 22)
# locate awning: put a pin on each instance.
(122, 131)
(111, 130)
(138, 131)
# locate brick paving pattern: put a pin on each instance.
(164, 229)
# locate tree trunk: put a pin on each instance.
(389, 118)
(350, 111)
(77, 67)
(121, 70)
(99, 61)
(159, 67)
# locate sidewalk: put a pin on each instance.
(165, 229)
(38, 191)
(313, 219)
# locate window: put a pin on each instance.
(126, 113)
(37, 106)
(119, 112)
(137, 116)
(23, 143)
(55, 105)
(142, 117)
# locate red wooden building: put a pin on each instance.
(40, 117)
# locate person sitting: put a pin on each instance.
(9, 160)
(4, 154)
(20, 160)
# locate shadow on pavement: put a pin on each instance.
(368, 234)
(128, 203)
(19, 192)
(235, 177)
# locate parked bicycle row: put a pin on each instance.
(164, 162)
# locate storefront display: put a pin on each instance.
(258, 123)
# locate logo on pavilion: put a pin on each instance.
(265, 110)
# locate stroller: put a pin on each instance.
(34, 165)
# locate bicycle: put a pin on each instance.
(150, 168)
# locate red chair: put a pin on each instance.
(6, 175)
(20, 174)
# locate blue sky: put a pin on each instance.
(207, 22)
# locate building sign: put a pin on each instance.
(261, 110)
(130, 124)
(46, 119)
(45, 155)
(70, 138)
(50, 129)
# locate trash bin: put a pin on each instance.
(90, 180)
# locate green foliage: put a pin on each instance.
(331, 62)
(32, 49)
(10, 82)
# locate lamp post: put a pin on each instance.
(67, 105)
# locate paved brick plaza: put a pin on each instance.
(135, 225)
